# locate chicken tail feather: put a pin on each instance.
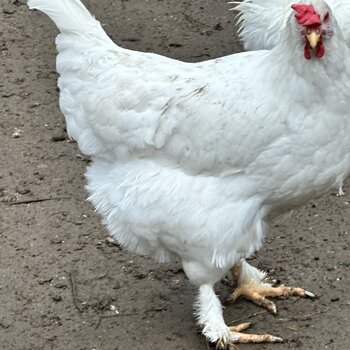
(70, 16)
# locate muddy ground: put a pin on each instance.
(61, 282)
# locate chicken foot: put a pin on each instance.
(253, 286)
(208, 310)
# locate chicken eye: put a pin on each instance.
(326, 17)
(313, 30)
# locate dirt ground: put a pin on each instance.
(62, 284)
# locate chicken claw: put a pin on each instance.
(252, 286)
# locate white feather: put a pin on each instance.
(69, 16)
(262, 22)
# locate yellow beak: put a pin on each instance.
(313, 39)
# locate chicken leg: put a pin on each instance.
(252, 285)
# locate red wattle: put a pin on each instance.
(307, 53)
(320, 50)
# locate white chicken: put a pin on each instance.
(191, 160)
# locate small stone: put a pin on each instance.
(111, 242)
(34, 105)
(17, 133)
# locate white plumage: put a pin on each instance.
(189, 159)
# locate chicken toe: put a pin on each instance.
(244, 338)
(237, 337)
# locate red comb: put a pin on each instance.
(306, 15)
